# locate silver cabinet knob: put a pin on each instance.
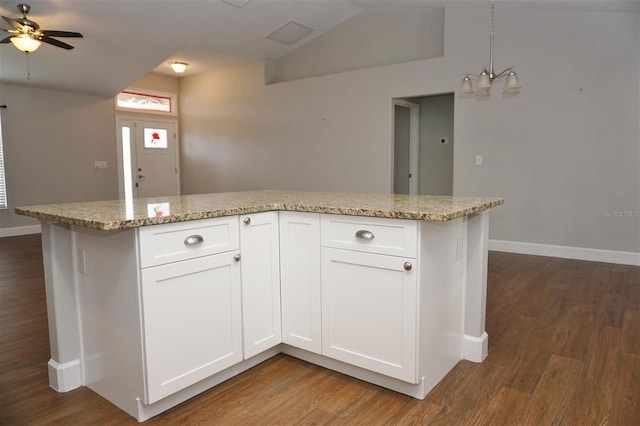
(247, 221)
(365, 235)
(193, 239)
(407, 266)
(237, 258)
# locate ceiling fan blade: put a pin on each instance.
(55, 42)
(15, 24)
(6, 40)
(51, 33)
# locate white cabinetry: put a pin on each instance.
(369, 300)
(300, 280)
(168, 311)
(192, 326)
(259, 243)
(191, 309)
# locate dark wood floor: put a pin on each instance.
(564, 348)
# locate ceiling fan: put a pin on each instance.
(27, 36)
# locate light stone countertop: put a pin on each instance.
(121, 214)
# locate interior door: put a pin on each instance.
(406, 126)
(156, 168)
(401, 168)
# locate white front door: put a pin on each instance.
(147, 151)
(156, 171)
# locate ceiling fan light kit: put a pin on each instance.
(27, 36)
(486, 78)
(25, 43)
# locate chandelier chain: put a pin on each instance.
(493, 8)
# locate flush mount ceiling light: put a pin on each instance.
(179, 67)
(486, 77)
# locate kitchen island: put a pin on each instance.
(152, 301)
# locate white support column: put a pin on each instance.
(62, 308)
(476, 340)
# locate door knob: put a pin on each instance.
(140, 176)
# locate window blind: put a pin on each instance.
(3, 185)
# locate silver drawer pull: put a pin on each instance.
(365, 235)
(193, 239)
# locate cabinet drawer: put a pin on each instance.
(171, 242)
(396, 237)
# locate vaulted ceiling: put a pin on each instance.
(126, 39)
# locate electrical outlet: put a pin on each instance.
(478, 160)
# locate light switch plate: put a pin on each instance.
(100, 164)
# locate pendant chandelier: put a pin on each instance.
(486, 78)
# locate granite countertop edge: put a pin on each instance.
(471, 205)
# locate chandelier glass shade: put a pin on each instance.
(487, 76)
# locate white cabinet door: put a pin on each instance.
(300, 280)
(369, 311)
(259, 245)
(191, 321)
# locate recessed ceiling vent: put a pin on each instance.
(237, 3)
(290, 32)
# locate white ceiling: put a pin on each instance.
(126, 39)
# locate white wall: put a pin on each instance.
(377, 36)
(326, 133)
(157, 82)
(51, 140)
(564, 151)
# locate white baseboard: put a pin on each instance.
(578, 253)
(474, 348)
(418, 390)
(144, 412)
(64, 377)
(19, 230)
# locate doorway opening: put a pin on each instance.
(423, 145)
(148, 163)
